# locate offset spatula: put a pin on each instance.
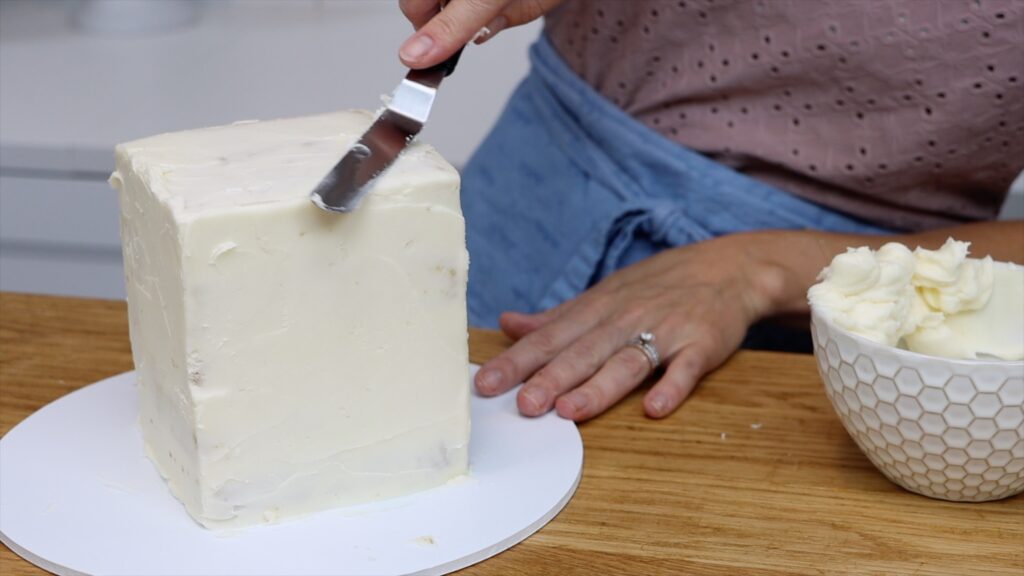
(349, 181)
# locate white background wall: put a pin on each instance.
(68, 96)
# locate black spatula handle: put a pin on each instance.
(446, 67)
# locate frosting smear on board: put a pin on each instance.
(291, 360)
(938, 302)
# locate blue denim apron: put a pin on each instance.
(567, 188)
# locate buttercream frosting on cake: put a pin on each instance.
(289, 359)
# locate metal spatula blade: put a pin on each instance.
(352, 178)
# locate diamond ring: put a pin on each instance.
(645, 343)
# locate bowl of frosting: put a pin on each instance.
(922, 356)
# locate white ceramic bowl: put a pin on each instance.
(944, 428)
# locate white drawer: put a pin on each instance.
(60, 236)
(61, 273)
(58, 211)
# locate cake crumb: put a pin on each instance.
(270, 515)
(723, 436)
(425, 541)
(756, 426)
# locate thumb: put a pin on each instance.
(448, 31)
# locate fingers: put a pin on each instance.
(627, 370)
(517, 13)
(624, 371)
(499, 23)
(515, 325)
(419, 12)
(532, 351)
(524, 11)
(677, 383)
(575, 364)
(447, 31)
(582, 370)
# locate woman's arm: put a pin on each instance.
(697, 300)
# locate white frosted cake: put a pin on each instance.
(291, 360)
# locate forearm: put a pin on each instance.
(793, 259)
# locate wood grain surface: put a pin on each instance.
(753, 475)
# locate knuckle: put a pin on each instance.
(461, 22)
(617, 332)
(686, 367)
(584, 352)
(597, 398)
(484, 6)
(448, 28)
(526, 11)
(533, 9)
(551, 377)
(514, 364)
(675, 323)
(635, 364)
(544, 342)
(713, 340)
(690, 363)
(631, 318)
(416, 9)
(587, 304)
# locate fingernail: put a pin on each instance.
(492, 28)
(658, 404)
(577, 403)
(416, 47)
(488, 381)
(534, 399)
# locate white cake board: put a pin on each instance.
(78, 496)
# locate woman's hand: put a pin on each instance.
(439, 33)
(698, 301)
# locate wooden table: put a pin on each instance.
(754, 475)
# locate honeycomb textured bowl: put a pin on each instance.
(944, 428)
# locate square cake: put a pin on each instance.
(289, 359)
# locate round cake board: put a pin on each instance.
(79, 496)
